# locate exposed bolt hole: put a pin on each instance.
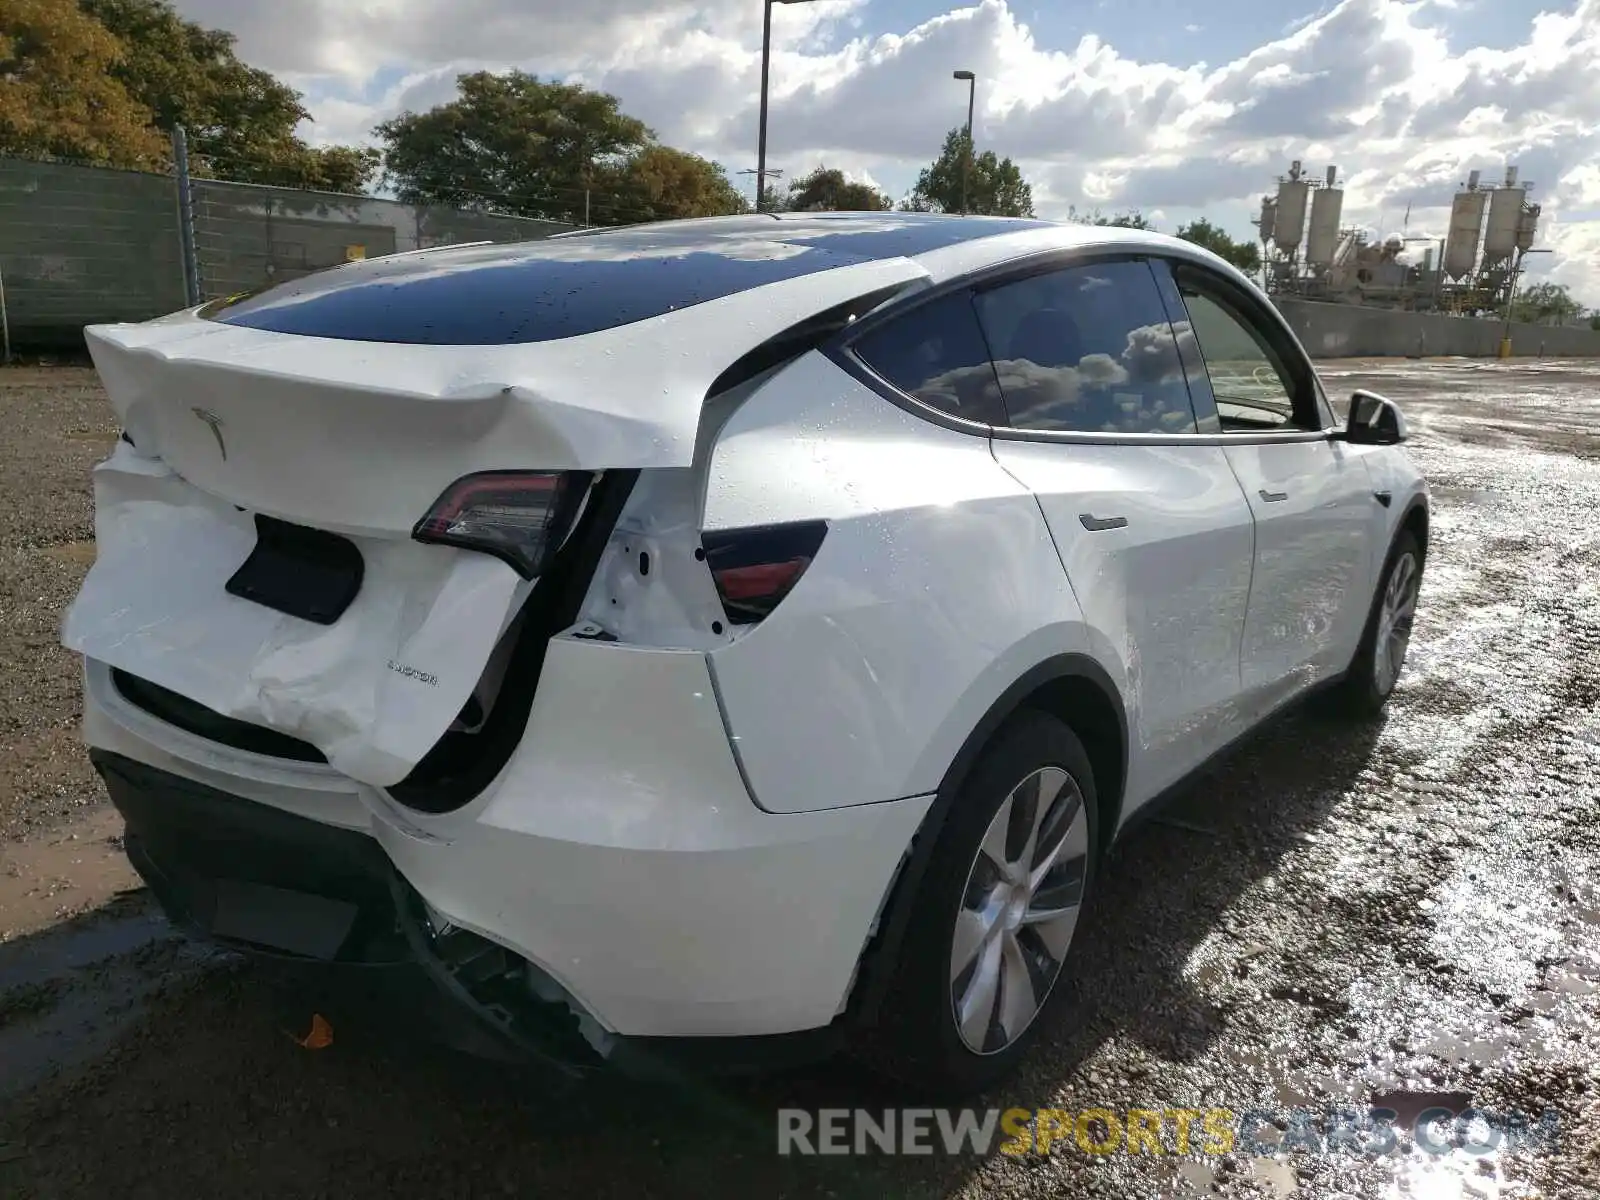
(613, 599)
(644, 563)
(716, 627)
(700, 553)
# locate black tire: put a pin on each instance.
(1361, 693)
(917, 1041)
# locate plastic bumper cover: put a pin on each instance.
(618, 854)
(326, 907)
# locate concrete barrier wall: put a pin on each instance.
(1347, 331)
(81, 245)
(247, 235)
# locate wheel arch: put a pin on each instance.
(1071, 686)
(1415, 522)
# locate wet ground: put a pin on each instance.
(1403, 915)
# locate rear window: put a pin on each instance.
(528, 292)
(937, 354)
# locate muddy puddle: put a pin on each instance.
(82, 949)
(62, 874)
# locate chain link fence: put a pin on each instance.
(81, 245)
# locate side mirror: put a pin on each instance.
(1374, 420)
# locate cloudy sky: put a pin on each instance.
(1180, 109)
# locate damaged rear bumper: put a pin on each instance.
(326, 907)
(327, 914)
(616, 882)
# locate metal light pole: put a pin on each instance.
(766, 69)
(966, 158)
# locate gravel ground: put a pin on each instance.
(56, 426)
(1397, 914)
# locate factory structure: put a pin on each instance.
(1308, 252)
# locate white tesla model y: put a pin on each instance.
(722, 638)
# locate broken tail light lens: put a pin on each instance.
(520, 517)
(756, 568)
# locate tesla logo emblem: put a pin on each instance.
(215, 423)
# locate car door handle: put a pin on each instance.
(1094, 524)
(1273, 497)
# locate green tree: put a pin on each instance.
(1545, 304)
(511, 143)
(995, 188)
(1202, 232)
(331, 168)
(1131, 219)
(660, 183)
(827, 189)
(59, 94)
(240, 120)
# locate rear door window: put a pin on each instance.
(1087, 349)
(936, 353)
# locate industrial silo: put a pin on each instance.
(1527, 226)
(1327, 206)
(1290, 223)
(1505, 219)
(1466, 228)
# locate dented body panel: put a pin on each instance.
(372, 691)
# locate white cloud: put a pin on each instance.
(1371, 85)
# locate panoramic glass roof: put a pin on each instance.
(570, 285)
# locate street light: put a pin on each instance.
(766, 67)
(966, 158)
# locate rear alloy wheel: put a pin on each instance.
(996, 912)
(1020, 908)
(1379, 659)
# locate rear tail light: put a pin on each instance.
(756, 568)
(520, 517)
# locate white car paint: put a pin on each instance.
(880, 612)
(1312, 503)
(1166, 592)
(619, 851)
(656, 839)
